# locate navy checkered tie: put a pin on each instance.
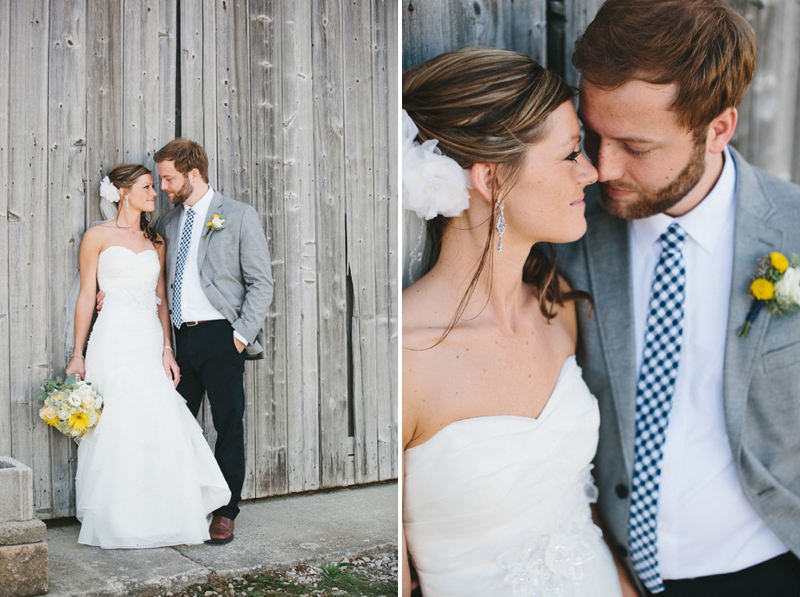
(662, 350)
(183, 251)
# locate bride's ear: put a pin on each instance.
(482, 179)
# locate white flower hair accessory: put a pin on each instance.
(433, 184)
(108, 191)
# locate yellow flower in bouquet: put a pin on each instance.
(762, 289)
(779, 261)
(79, 422)
(72, 406)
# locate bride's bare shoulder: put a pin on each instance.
(426, 314)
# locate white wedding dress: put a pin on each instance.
(499, 505)
(146, 476)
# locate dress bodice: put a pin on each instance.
(499, 505)
(129, 278)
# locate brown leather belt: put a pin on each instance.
(191, 324)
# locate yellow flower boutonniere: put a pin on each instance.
(216, 224)
(776, 287)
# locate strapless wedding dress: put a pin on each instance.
(146, 476)
(499, 505)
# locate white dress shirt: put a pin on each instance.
(195, 306)
(705, 523)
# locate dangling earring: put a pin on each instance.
(127, 204)
(500, 226)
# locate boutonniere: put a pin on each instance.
(776, 287)
(216, 224)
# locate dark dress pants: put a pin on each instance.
(211, 364)
(778, 577)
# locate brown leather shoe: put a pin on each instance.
(221, 530)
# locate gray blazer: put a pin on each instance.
(234, 264)
(761, 383)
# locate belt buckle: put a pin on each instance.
(191, 324)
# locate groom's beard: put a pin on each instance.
(178, 197)
(655, 201)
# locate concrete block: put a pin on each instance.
(23, 570)
(19, 532)
(16, 490)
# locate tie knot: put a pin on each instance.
(673, 238)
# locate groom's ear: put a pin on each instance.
(482, 179)
(721, 130)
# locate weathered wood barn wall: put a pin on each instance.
(296, 104)
(768, 134)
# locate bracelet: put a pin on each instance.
(80, 356)
(167, 348)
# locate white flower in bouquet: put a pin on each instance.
(72, 406)
(789, 285)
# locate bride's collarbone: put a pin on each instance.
(119, 237)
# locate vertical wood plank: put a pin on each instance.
(104, 95)
(768, 115)
(384, 135)
(360, 202)
(7, 262)
(167, 88)
(329, 130)
(66, 202)
(27, 212)
(579, 14)
(140, 116)
(393, 191)
(267, 380)
(300, 253)
(209, 113)
(432, 27)
(232, 80)
(191, 59)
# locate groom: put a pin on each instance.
(698, 463)
(219, 288)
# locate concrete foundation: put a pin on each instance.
(23, 551)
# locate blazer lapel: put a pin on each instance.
(752, 239)
(205, 237)
(608, 257)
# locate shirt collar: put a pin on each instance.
(704, 224)
(201, 207)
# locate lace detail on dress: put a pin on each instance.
(138, 299)
(553, 565)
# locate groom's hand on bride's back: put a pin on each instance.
(100, 296)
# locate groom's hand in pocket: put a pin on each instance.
(240, 346)
(100, 296)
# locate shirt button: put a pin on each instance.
(622, 491)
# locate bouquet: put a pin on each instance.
(776, 287)
(72, 406)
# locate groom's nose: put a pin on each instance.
(608, 162)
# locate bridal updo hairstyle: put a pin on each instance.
(123, 176)
(488, 105)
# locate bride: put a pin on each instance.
(146, 476)
(499, 429)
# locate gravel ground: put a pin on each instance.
(361, 575)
